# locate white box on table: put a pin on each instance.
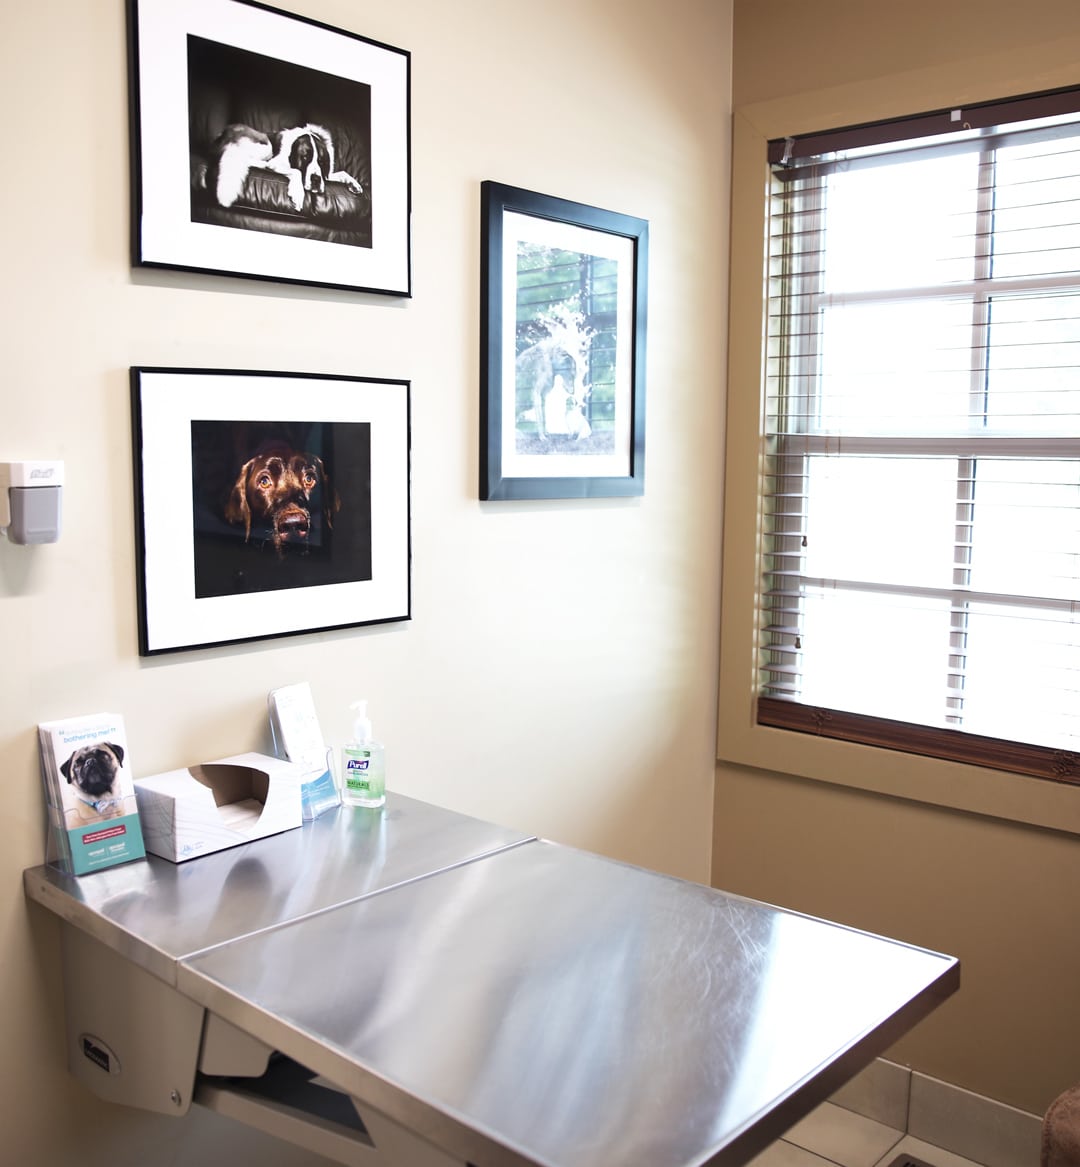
(214, 805)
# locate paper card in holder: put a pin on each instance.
(93, 819)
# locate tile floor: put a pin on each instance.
(833, 1136)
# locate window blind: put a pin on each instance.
(922, 442)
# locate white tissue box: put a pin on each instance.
(214, 805)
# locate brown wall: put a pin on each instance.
(790, 46)
(1003, 897)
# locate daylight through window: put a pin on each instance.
(922, 506)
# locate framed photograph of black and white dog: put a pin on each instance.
(267, 504)
(268, 145)
(562, 348)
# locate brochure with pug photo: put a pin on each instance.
(90, 791)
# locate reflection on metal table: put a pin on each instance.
(481, 996)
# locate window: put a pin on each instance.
(922, 515)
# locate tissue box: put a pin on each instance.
(214, 805)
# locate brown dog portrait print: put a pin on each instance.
(279, 505)
(275, 495)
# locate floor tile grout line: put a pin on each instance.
(890, 1152)
(816, 1154)
(838, 1163)
(885, 1156)
(907, 1103)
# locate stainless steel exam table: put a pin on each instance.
(420, 988)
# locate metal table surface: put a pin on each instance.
(156, 913)
(521, 1002)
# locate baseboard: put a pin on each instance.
(970, 1125)
(882, 1092)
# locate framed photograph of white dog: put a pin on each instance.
(268, 145)
(562, 348)
(267, 504)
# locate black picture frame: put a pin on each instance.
(268, 504)
(268, 146)
(563, 313)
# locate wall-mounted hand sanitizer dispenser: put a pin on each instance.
(30, 496)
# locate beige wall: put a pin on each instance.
(930, 854)
(558, 675)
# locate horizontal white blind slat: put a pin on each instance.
(1049, 447)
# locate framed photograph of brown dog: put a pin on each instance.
(562, 348)
(267, 504)
(268, 145)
